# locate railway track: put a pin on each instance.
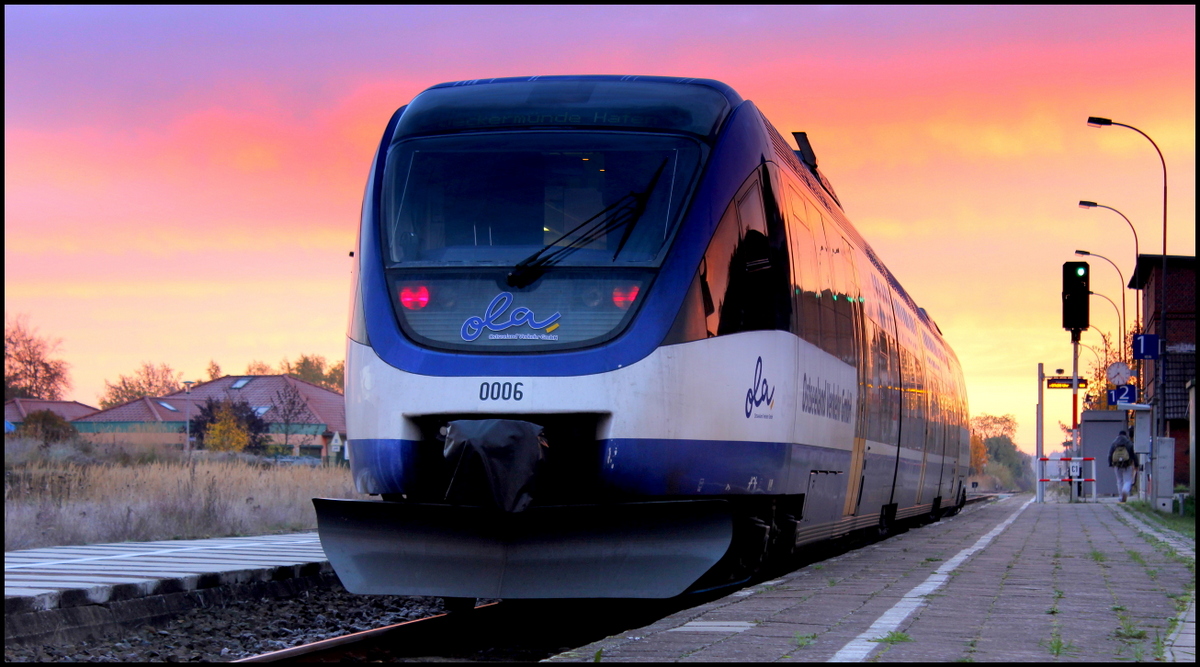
(360, 645)
(511, 630)
(519, 630)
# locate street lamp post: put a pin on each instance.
(187, 406)
(1137, 296)
(1120, 322)
(1160, 390)
(1120, 275)
(1099, 363)
(1095, 353)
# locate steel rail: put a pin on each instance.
(329, 648)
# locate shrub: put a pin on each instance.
(47, 427)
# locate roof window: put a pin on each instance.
(168, 406)
(260, 411)
(241, 383)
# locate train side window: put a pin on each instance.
(914, 403)
(779, 280)
(750, 211)
(714, 268)
(804, 269)
(882, 375)
(846, 302)
(878, 307)
(827, 285)
(746, 278)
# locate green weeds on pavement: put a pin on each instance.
(803, 640)
(1129, 631)
(1160, 645)
(1056, 646)
(892, 638)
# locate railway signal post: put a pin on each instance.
(1076, 289)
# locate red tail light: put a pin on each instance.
(623, 297)
(414, 298)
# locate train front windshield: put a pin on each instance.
(529, 240)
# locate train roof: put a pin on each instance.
(639, 103)
(730, 94)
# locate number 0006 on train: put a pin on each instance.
(611, 336)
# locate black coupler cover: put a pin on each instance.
(495, 463)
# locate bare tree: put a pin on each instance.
(149, 380)
(29, 372)
(214, 369)
(289, 411)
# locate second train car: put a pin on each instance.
(611, 336)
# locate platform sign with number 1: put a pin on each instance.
(1145, 346)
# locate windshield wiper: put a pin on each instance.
(624, 212)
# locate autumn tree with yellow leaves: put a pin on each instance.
(226, 434)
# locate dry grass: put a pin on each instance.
(52, 500)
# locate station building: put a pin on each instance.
(1179, 360)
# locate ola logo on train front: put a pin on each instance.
(473, 327)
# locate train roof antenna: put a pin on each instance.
(806, 153)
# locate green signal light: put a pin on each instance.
(1080, 271)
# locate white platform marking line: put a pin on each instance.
(857, 649)
(154, 553)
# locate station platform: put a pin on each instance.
(1010, 580)
(65, 593)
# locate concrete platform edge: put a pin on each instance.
(1181, 644)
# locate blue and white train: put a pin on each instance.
(611, 336)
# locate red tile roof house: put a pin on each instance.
(162, 420)
(16, 409)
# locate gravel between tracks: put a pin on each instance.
(240, 629)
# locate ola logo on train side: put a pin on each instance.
(759, 392)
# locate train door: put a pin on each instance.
(848, 307)
(956, 447)
(949, 434)
(838, 339)
(911, 457)
(881, 371)
(934, 437)
(810, 456)
(825, 396)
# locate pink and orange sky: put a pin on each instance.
(183, 183)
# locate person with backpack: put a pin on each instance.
(1123, 462)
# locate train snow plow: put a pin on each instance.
(630, 550)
